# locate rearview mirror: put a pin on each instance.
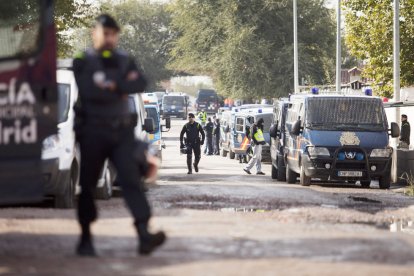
(148, 125)
(168, 123)
(395, 130)
(296, 127)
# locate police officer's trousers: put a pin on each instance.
(193, 147)
(97, 143)
(256, 159)
(217, 144)
(209, 144)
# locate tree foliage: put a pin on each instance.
(369, 36)
(70, 14)
(247, 46)
(145, 35)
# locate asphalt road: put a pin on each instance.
(223, 222)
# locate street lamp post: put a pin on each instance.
(338, 47)
(396, 46)
(295, 47)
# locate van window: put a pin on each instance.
(152, 113)
(346, 113)
(267, 121)
(240, 124)
(63, 101)
(178, 101)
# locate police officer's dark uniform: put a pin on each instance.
(192, 132)
(405, 132)
(217, 134)
(104, 128)
(209, 128)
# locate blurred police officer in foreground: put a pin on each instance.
(192, 131)
(104, 128)
(258, 141)
(405, 133)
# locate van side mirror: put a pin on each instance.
(296, 127)
(395, 130)
(273, 131)
(168, 123)
(148, 125)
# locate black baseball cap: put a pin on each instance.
(404, 116)
(107, 21)
(191, 115)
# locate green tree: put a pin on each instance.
(69, 15)
(145, 35)
(247, 46)
(369, 37)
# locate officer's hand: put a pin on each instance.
(110, 85)
(182, 146)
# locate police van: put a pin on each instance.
(60, 154)
(155, 137)
(338, 138)
(278, 139)
(237, 123)
(175, 105)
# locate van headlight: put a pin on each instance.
(384, 153)
(51, 143)
(317, 151)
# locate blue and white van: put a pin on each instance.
(338, 138)
(155, 136)
(236, 124)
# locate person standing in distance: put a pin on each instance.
(209, 128)
(192, 131)
(405, 133)
(104, 129)
(259, 141)
(217, 135)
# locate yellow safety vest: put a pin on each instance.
(203, 116)
(258, 136)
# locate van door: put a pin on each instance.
(28, 97)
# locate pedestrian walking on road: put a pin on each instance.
(405, 133)
(258, 141)
(104, 129)
(209, 128)
(217, 135)
(192, 130)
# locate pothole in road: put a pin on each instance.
(364, 199)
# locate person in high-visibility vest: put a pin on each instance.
(259, 141)
(202, 115)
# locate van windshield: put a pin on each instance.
(174, 100)
(345, 113)
(207, 96)
(152, 113)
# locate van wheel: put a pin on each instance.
(384, 182)
(290, 175)
(105, 192)
(274, 172)
(281, 173)
(304, 180)
(232, 155)
(223, 153)
(68, 199)
(365, 184)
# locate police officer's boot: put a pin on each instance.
(85, 247)
(196, 161)
(190, 169)
(148, 242)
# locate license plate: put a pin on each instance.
(350, 174)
